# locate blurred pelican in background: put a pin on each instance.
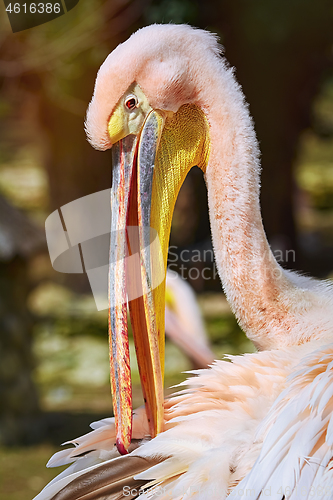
(183, 321)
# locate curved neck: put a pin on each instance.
(255, 285)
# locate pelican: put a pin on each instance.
(184, 325)
(252, 426)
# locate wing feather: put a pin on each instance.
(297, 434)
(101, 482)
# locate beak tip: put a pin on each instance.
(121, 447)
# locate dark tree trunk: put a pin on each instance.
(18, 398)
(19, 239)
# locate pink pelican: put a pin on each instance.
(254, 426)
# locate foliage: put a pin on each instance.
(314, 173)
(172, 11)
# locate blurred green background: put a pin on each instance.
(53, 342)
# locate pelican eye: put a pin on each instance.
(131, 102)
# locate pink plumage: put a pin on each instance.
(251, 424)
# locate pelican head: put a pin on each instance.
(146, 107)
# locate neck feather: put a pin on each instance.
(265, 300)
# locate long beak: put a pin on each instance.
(148, 172)
(132, 257)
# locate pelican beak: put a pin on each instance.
(148, 170)
(136, 267)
